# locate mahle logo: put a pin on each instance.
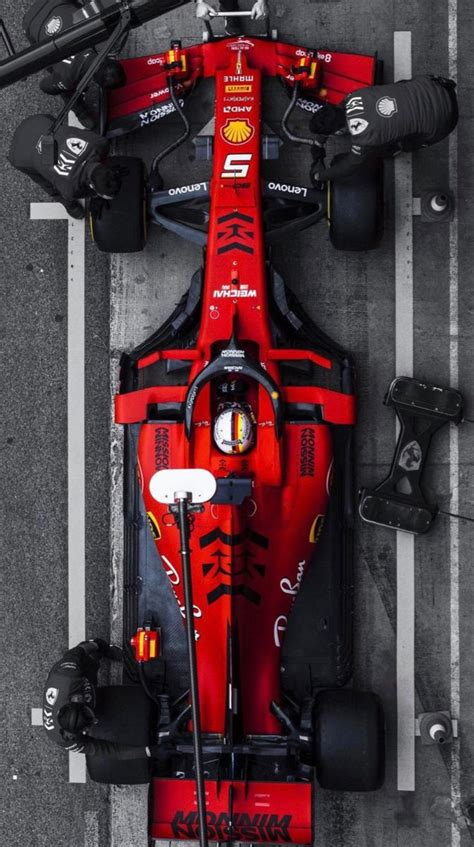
(237, 131)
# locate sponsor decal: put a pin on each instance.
(307, 452)
(235, 354)
(161, 93)
(77, 145)
(68, 155)
(316, 529)
(324, 57)
(155, 113)
(171, 571)
(286, 585)
(238, 46)
(231, 564)
(279, 627)
(256, 827)
(357, 125)
(162, 448)
(54, 25)
(187, 189)
(237, 110)
(238, 78)
(156, 60)
(235, 233)
(48, 721)
(288, 189)
(354, 104)
(386, 107)
(239, 99)
(309, 105)
(227, 292)
(51, 696)
(65, 164)
(154, 527)
(238, 89)
(329, 478)
(411, 457)
(140, 477)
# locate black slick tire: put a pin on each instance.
(356, 210)
(119, 225)
(126, 716)
(349, 740)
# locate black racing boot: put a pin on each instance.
(74, 209)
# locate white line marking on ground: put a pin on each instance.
(75, 437)
(402, 46)
(48, 212)
(454, 443)
(128, 804)
(91, 829)
(76, 454)
(37, 717)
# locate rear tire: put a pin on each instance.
(349, 743)
(356, 210)
(119, 225)
(125, 715)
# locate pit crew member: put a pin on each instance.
(384, 120)
(80, 169)
(233, 26)
(69, 702)
(44, 20)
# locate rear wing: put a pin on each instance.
(255, 812)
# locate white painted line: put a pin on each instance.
(76, 454)
(76, 435)
(48, 212)
(128, 804)
(454, 505)
(37, 717)
(402, 46)
(91, 829)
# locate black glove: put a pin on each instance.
(106, 181)
(111, 74)
(317, 154)
(328, 120)
(109, 651)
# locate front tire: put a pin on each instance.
(356, 210)
(349, 741)
(119, 225)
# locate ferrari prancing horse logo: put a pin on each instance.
(237, 131)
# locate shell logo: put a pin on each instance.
(237, 131)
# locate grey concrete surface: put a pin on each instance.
(352, 298)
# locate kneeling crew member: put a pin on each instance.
(44, 20)
(79, 170)
(69, 703)
(384, 120)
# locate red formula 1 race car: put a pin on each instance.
(239, 415)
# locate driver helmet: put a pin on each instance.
(233, 429)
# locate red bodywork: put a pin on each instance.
(248, 561)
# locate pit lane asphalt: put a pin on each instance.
(352, 297)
